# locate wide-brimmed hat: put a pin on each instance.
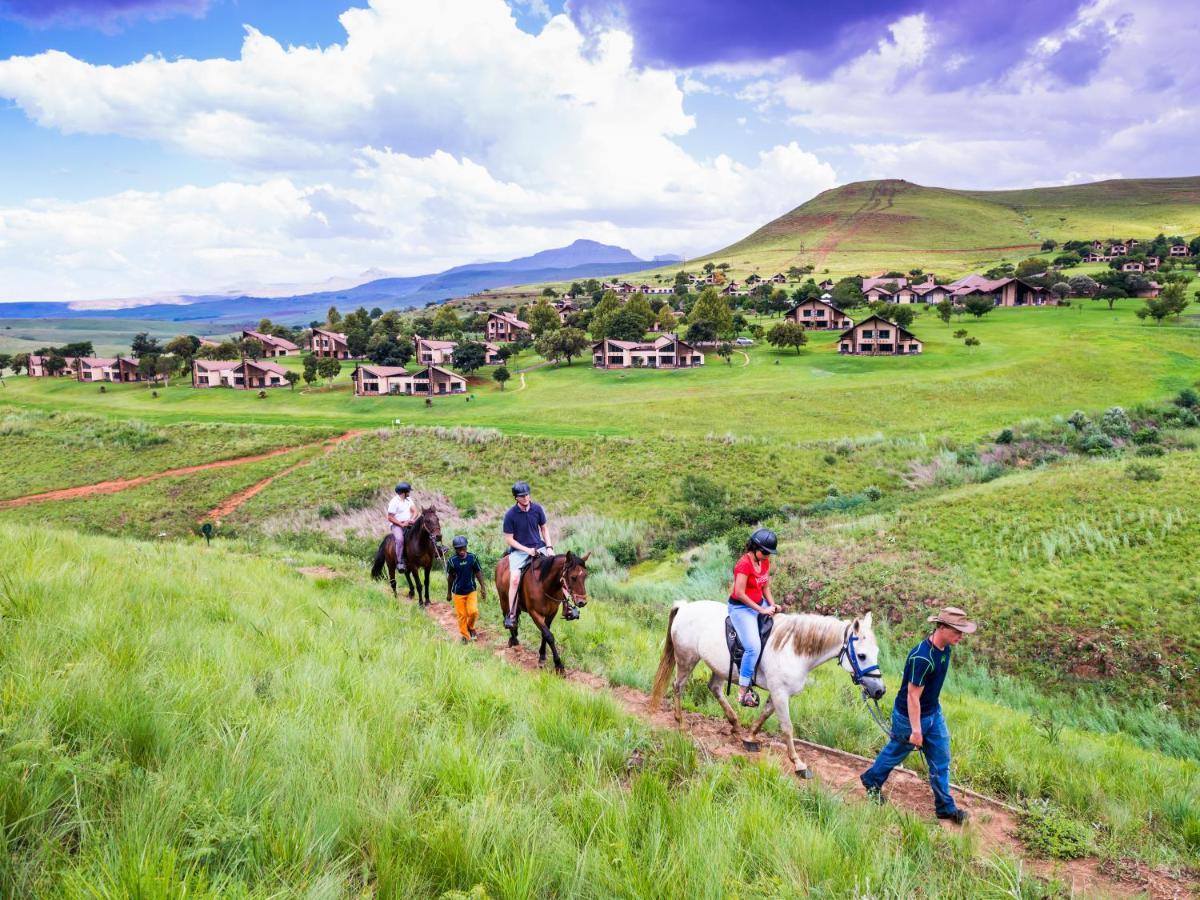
(955, 618)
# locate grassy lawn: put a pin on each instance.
(1031, 363)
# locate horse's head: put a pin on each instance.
(574, 581)
(429, 522)
(860, 657)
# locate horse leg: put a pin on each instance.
(547, 638)
(714, 685)
(392, 576)
(780, 703)
(427, 584)
(408, 581)
(542, 653)
(762, 719)
(683, 671)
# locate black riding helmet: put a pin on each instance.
(520, 489)
(459, 543)
(403, 488)
(764, 539)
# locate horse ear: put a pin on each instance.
(867, 620)
(584, 558)
(857, 626)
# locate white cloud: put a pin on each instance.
(435, 133)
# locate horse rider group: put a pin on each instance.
(917, 720)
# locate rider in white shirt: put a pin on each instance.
(401, 512)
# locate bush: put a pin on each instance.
(1145, 436)
(1094, 441)
(1115, 423)
(1183, 418)
(624, 553)
(966, 456)
(833, 491)
(1143, 472)
(262, 395)
(1049, 833)
(327, 510)
(1188, 399)
(1005, 437)
(1078, 420)
(1151, 450)
(873, 493)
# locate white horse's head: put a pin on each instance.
(860, 657)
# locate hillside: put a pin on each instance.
(871, 226)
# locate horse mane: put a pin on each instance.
(811, 635)
(545, 564)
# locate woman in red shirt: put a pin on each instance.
(750, 598)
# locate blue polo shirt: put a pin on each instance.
(462, 572)
(525, 525)
(925, 667)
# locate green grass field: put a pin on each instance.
(1031, 363)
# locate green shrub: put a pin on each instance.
(1078, 420)
(1050, 833)
(1187, 398)
(327, 510)
(624, 553)
(1143, 472)
(1148, 435)
(1151, 450)
(1005, 437)
(1094, 441)
(872, 493)
(1115, 423)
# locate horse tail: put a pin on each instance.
(666, 664)
(380, 559)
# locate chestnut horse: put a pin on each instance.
(422, 545)
(547, 582)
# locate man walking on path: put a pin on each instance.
(462, 576)
(917, 721)
(401, 513)
(526, 534)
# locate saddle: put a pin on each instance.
(737, 651)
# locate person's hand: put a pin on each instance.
(916, 739)
(771, 609)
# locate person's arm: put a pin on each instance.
(914, 713)
(544, 529)
(771, 607)
(515, 544)
(479, 580)
(739, 591)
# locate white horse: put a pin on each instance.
(797, 645)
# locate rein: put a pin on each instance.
(857, 675)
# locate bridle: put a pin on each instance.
(437, 547)
(570, 603)
(857, 674)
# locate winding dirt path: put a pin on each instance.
(994, 822)
(229, 506)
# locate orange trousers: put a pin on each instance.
(467, 607)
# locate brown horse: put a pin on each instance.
(422, 545)
(546, 583)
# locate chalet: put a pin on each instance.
(1179, 250)
(889, 283)
(817, 315)
(733, 289)
(1118, 250)
(241, 374)
(440, 353)
(564, 307)
(931, 292)
(1098, 246)
(39, 369)
(753, 278)
(1133, 266)
(1096, 256)
(504, 327)
(826, 285)
(1132, 242)
(431, 381)
(905, 295)
(706, 278)
(878, 294)
(1003, 291)
(779, 278)
(876, 336)
(328, 343)
(665, 352)
(1150, 291)
(1152, 262)
(272, 345)
(122, 369)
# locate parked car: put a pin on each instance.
(744, 342)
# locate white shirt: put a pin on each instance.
(402, 508)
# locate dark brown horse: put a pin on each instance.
(422, 546)
(546, 583)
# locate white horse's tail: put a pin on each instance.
(666, 664)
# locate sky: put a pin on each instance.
(157, 146)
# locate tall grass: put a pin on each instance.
(181, 723)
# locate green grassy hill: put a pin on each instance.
(874, 226)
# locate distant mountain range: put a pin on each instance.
(581, 259)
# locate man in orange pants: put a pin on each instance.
(463, 575)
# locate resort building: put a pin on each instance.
(431, 381)
(503, 327)
(876, 336)
(272, 345)
(328, 343)
(665, 352)
(818, 315)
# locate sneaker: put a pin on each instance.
(463, 640)
(957, 816)
(474, 635)
(875, 795)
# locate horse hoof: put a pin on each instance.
(513, 642)
(804, 774)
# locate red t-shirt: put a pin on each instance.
(756, 580)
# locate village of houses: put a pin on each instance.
(874, 335)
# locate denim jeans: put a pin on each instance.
(937, 756)
(745, 623)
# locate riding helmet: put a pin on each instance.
(459, 543)
(520, 489)
(764, 539)
(403, 487)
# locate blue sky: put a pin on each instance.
(173, 145)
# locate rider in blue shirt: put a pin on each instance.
(527, 536)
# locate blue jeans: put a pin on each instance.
(745, 623)
(937, 756)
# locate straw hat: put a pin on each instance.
(955, 618)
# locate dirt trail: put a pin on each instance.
(994, 822)
(230, 505)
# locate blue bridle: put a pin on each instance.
(858, 673)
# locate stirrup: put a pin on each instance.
(749, 699)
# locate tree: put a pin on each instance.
(971, 342)
(501, 375)
(148, 367)
(1083, 285)
(1171, 302)
(626, 325)
(945, 310)
(389, 350)
(757, 331)
(329, 369)
(183, 347)
(666, 319)
(144, 345)
(847, 293)
(55, 364)
(542, 317)
(376, 312)
(252, 348)
(563, 343)
(901, 314)
(223, 350)
(979, 305)
(5, 360)
(549, 292)
(311, 365)
(19, 361)
(333, 318)
(712, 309)
(740, 323)
(1049, 244)
(603, 313)
(639, 306)
(291, 378)
(1032, 266)
(787, 334)
(700, 333)
(166, 366)
(1060, 289)
(469, 357)
(725, 351)
(1111, 295)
